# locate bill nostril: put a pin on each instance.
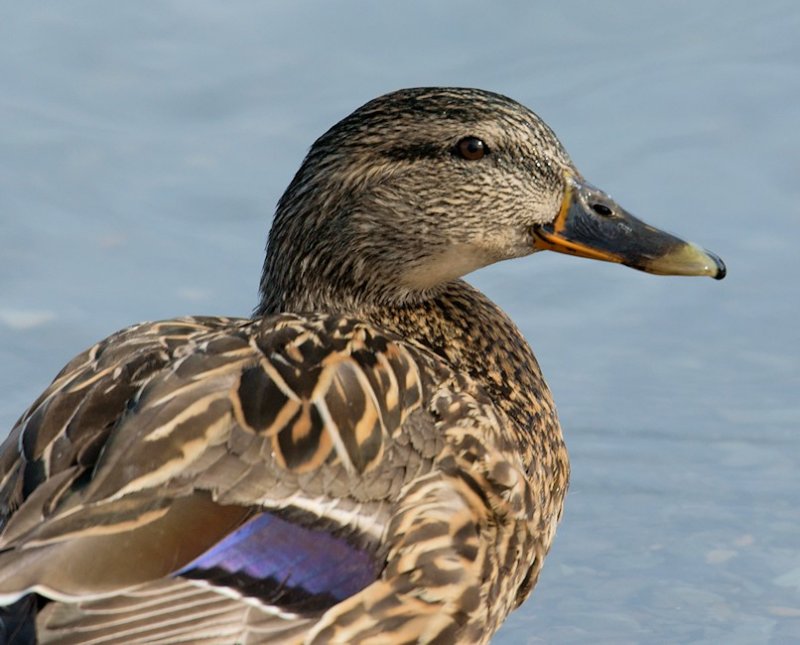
(601, 209)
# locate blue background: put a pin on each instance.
(144, 145)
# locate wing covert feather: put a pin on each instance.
(319, 422)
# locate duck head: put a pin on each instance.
(422, 186)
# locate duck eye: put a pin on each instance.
(471, 148)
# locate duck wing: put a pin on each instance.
(229, 480)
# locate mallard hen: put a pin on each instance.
(373, 457)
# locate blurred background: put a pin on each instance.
(143, 147)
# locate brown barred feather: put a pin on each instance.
(275, 412)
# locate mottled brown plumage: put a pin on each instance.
(185, 481)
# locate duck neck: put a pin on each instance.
(465, 328)
(473, 335)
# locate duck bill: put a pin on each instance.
(590, 224)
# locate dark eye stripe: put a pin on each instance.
(412, 152)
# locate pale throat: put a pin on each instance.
(451, 263)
